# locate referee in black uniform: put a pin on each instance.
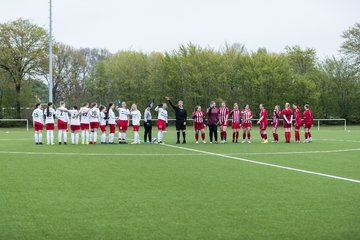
(180, 119)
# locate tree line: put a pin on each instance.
(194, 74)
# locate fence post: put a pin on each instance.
(345, 124)
(318, 125)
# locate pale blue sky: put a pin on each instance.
(161, 25)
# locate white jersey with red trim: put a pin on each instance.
(38, 116)
(84, 115)
(198, 117)
(74, 117)
(62, 115)
(102, 119)
(111, 116)
(162, 114)
(94, 114)
(123, 114)
(135, 117)
(50, 118)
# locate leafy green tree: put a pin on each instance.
(23, 54)
(351, 46)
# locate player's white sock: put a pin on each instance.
(48, 137)
(160, 136)
(91, 136)
(65, 136)
(40, 137)
(52, 136)
(59, 135)
(103, 137)
(124, 136)
(36, 138)
(73, 138)
(83, 136)
(87, 135)
(111, 137)
(95, 136)
(119, 135)
(76, 138)
(136, 137)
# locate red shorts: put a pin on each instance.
(263, 126)
(136, 128)
(235, 125)
(247, 125)
(38, 126)
(103, 128)
(161, 124)
(308, 125)
(84, 126)
(112, 128)
(62, 125)
(286, 125)
(123, 125)
(74, 127)
(223, 123)
(94, 125)
(49, 126)
(199, 126)
(275, 124)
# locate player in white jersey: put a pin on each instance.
(84, 123)
(161, 121)
(94, 118)
(38, 122)
(110, 115)
(123, 122)
(103, 123)
(49, 114)
(74, 125)
(62, 116)
(135, 117)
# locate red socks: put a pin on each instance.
(297, 136)
(287, 136)
(234, 134)
(265, 136)
(203, 136)
(196, 136)
(248, 136)
(237, 135)
(244, 136)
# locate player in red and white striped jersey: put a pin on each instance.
(223, 115)
(63, 118)
(275, 123)
(247, 116)
(235, 114)
(199, 125)
(49, 114)
(308, 123)
(263, 122)
(297, 123)
(38, 122)
(84, 123)
(94, 118)
(288, 117)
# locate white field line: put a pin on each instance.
(267, 164)
(285, 153)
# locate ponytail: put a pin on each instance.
(108, 110)
(48, 109)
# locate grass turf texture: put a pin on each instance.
(97, 192)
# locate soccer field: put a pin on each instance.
(186, 191)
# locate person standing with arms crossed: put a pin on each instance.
(180, 119)
(212, 117)
(148, 123)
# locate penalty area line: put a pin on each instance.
(266, 164)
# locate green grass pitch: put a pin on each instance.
(161, 192)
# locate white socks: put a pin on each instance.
(103, 137)
(36, 137)
(60, 135)
(160, 136)
(136, 137)
(111, 138)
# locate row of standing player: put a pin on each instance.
(92, 118)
